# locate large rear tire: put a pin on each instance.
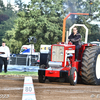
(91, 66)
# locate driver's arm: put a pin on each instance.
(70, 37)
(78, 38)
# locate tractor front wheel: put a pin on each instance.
(41, 78)
(73, 76)
(42, 66)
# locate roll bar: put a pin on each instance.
(86, 34)
(64, 23)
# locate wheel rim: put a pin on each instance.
(75, 76)
(98, 67)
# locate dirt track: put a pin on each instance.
(13, 86)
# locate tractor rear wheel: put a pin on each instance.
(73, 76)
(91, 66)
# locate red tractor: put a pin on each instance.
(61, 63)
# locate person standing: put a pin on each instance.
(4, 57)
(75, 38)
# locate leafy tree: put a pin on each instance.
(44, 20)
(95, 33)
(21, 6)
(80, 6)
(7, 18)
(13, 44)
(2, 7)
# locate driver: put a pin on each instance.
(75, 38)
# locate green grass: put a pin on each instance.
(20, 73)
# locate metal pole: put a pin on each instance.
(67, 37)
(31, 54)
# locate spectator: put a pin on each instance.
(4, 57)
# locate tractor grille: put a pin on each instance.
(58, 53)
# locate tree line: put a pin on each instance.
(44, 20)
